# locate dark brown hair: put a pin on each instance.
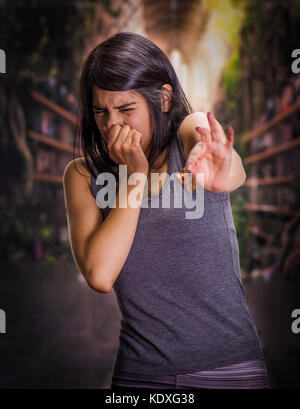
(128, 61)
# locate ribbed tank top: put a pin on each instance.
(180, 292)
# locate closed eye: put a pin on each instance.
(97, 111)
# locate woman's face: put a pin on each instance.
(122, 108)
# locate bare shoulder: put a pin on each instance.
(77, 169)
(77, 191)
(77, 182)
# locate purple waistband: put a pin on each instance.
(245, 375)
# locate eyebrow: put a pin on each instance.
(118, 107)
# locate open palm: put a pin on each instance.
(211, 158)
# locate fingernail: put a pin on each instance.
(189, 167)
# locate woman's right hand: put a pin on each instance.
(124, 147)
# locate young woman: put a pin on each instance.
(185, 321)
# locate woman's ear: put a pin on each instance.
(166, 98)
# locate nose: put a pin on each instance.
(114, 118)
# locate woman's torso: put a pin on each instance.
(180, 292)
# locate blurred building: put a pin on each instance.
(190, 33)
(270, 113)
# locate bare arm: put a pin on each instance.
(100, 247)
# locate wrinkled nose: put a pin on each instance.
(113, 119)
(110, 120)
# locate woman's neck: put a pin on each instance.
(160, 162)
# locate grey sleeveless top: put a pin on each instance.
(179, 292)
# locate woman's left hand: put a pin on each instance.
(210, 158)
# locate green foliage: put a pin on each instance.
(45, 233)
(22, 227)
(17, 254)
(49, 257)
(42, 39)
(240, 221)
(228, 18)
(232, 74)
(231, 85)
(297, 7)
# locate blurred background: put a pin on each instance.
(234, 58)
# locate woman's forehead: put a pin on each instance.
(103, 97)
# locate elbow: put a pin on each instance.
(240, 182)
(243, 178)
(244, 174)
(236, 182)
(97, 283)
(240, 174)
